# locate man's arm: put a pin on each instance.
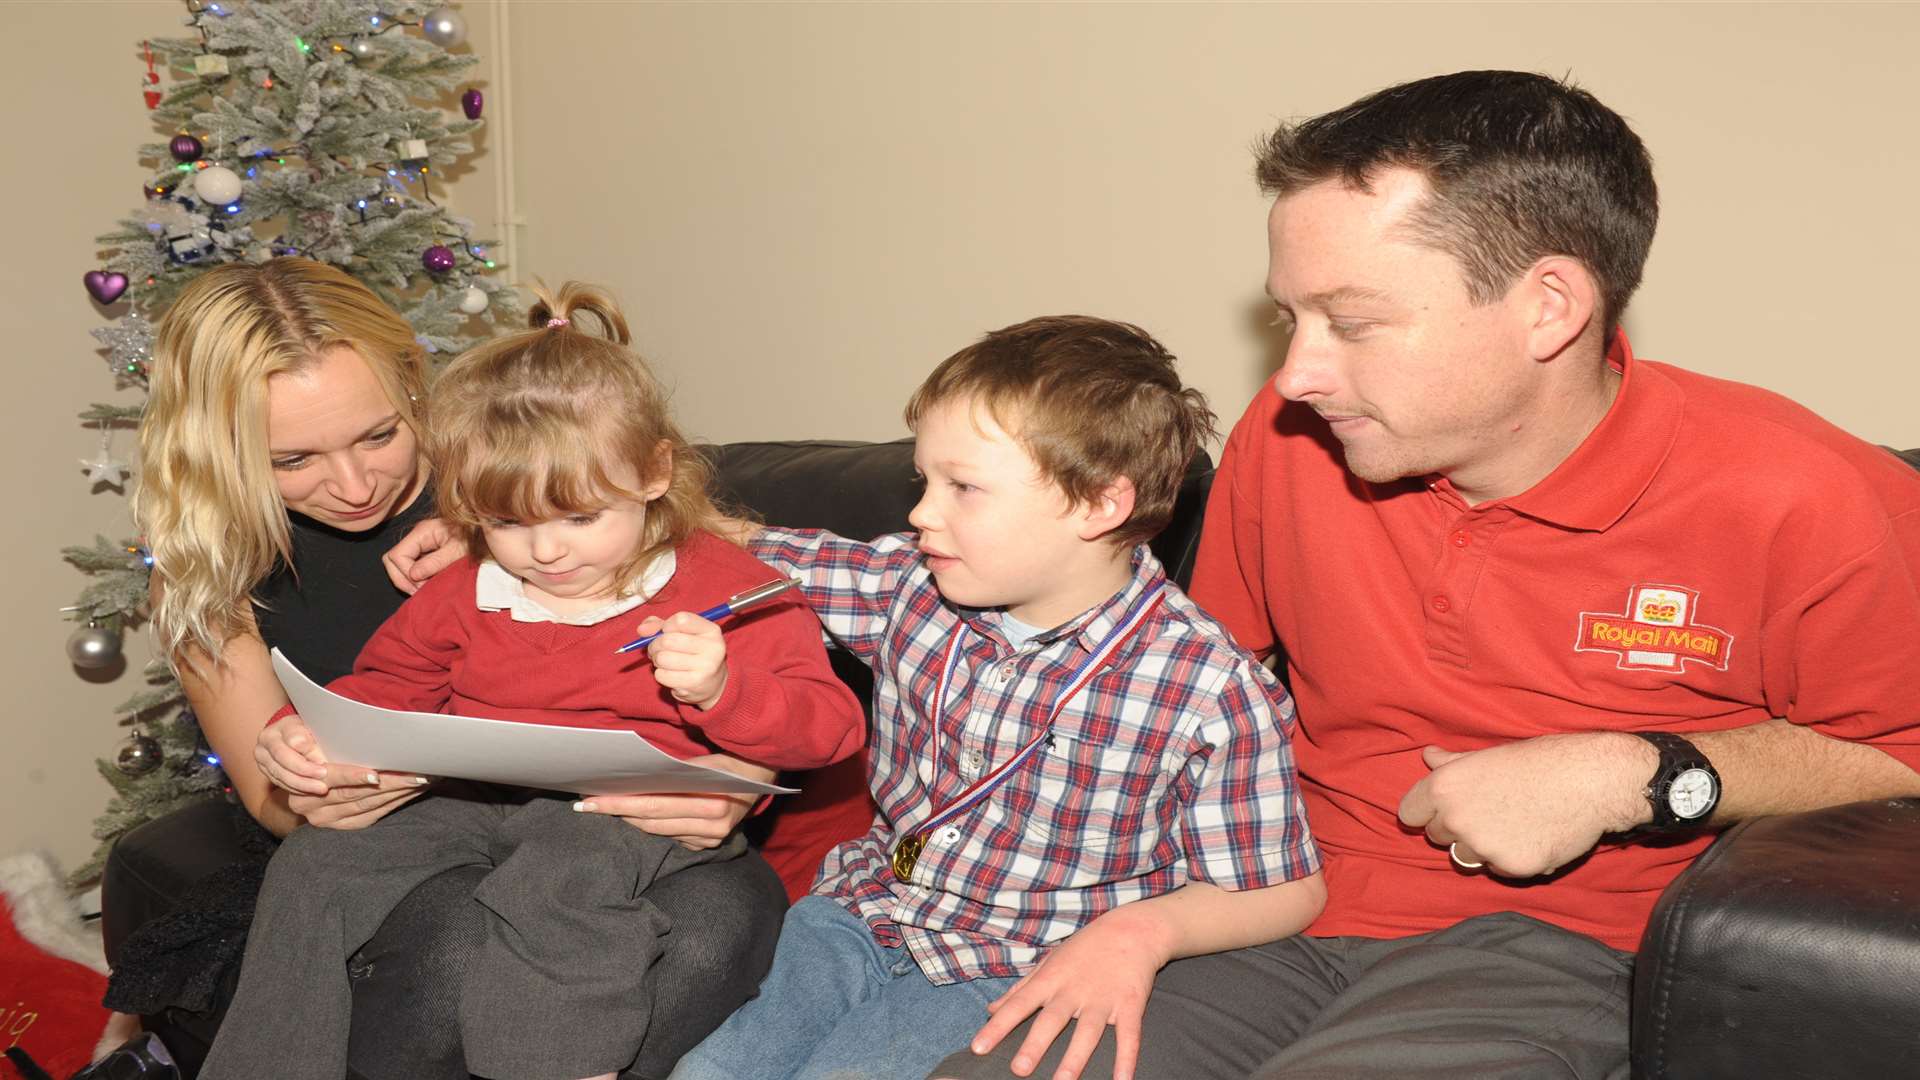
(1527, 808)
(1103, 974)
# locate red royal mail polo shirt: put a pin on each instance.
(1711, 556)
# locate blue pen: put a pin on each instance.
(733, 605)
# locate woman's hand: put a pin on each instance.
(697, 821)
(356, 806)
(427, 549)
(326, 794)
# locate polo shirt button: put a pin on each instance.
(1461, 538)
(971, 761)
(949, 835)
(1006, 673)
(1442, 605)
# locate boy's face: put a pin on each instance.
(571, 563)
(994, 532)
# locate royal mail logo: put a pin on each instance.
(1657, 632)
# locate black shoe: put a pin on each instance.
(143, 1057)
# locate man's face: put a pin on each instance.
(1411, 375)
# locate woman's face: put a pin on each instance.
(341, 453)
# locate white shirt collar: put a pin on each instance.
(497, 590)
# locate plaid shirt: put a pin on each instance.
(1172, 765)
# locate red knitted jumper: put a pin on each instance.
(782, 705)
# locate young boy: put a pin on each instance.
(1080, 777)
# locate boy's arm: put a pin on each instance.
(1103, 974)
(850, 585)
(1253, 876)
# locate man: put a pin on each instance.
(1551, 613)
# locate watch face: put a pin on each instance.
(1691, 795)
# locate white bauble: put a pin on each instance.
(474, 300)
(218, 185)
(444, 27)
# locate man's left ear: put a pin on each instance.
(1108, 510)
(661, 471)
(1566, 299)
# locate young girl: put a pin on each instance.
(586, 511)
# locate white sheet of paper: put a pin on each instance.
(581, 760)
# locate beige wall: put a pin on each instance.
(805, 206)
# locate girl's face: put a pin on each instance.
(341, 453)
(572, 564)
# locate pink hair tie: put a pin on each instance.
(551, 323)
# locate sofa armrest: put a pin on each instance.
(1790, 948)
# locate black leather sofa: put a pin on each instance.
(1791, 949)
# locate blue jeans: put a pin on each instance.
(839, 1006)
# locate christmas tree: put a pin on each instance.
(292, 127)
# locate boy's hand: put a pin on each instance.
(689, 657)
(427, 549)
(739, 530)
(1102, 975)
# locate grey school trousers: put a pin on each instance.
(1499, 997)
(561, 986)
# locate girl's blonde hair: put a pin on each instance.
(537, 425)
(207, 501)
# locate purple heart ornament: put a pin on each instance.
(105, 286)
(470, 103)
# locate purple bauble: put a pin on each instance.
(437, 258)
(185, 148)
(105, 286)
(470, 103)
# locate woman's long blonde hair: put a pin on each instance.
(207, 501)
(535, 425)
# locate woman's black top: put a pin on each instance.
(322, 616)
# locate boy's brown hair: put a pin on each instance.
(1091, 401)
(532, 426)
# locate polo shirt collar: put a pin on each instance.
(1608, 472)
(497, 590)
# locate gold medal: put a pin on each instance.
(906, 854)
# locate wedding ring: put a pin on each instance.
(1453, 852)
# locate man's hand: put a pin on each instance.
(697, 821)
(1527, 808)
(329, 795)
(689, 657)
(427, 549)
(1100, 976)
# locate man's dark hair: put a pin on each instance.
(1522, 166)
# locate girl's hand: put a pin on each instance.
(427, 549)
(290, 759)
(697, 821)
(689, 657)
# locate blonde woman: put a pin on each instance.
(280, 463)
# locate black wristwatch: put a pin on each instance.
(1684, 789)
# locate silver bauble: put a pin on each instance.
(138, 756)
(93, 646)
(444, 27)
